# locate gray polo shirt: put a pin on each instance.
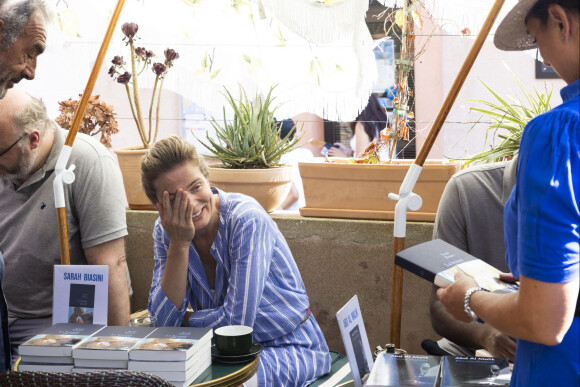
(470, 214)
(95, 209)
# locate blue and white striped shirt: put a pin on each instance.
(257, 284)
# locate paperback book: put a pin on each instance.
(474, 371)
(112, 343)
(58, 340)
(172, 344)
(181, 366)
(354, 338)
(392, 370)
(438, 261)
(47, 359)
(80, 294)
(101, 364)
(26, 366)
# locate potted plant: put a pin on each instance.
(99, 118)
(249, 148)
(507, 121)
(360, 187)
(140, 59)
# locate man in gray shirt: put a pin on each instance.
(470, 217)
(30, 144)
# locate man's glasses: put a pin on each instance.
(12, 146)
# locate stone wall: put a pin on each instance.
(337, 258)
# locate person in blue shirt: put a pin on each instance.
(4, 339)
(223, 254)
(541, 217)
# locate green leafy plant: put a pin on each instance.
(507, 122)
(251, 139)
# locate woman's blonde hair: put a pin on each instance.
(164, 156)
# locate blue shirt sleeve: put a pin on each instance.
(547, 198)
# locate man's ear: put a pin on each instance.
(560, 18)
(34, 139)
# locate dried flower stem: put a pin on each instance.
(139, 119)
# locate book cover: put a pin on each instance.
(182, 366)
(437, 261)
(404, 370)
(356, 342)
(111, 343)
(58, 340)
(80, 294)
(474, 371)
(171, 344)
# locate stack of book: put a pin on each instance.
(433, 371)
(177, 354)
(109, 348)
(52, 349)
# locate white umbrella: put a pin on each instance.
(328, 71)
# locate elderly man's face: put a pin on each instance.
(19, 60)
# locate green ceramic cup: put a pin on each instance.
(233, 340)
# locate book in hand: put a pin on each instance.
(171, 344)
(438, 261)
(404, 370)
(463, 371)
(58, 340)
(111, 343)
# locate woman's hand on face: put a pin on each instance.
(176, 217)
(453, 296)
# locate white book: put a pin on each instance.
(195, 368)
(153, 365)
(25, 366)
(171, 344)
(185, 383)
(101, 363)
(112, 343)
(355, 340)
(58, 340)
(47, 359)
(80, 294)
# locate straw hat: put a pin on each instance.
(512, 35)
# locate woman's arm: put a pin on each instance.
(540, 312)
(168, 295)
(362, 138)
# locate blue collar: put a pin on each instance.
(570, 91)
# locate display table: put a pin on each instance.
(220, 375)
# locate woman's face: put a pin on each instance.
(544, 38)
(190, 179)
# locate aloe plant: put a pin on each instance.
(507, 122)
(251, 140)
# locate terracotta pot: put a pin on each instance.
(269, 186)
(130, 163)
(360, 191)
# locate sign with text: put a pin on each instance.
(80, 294)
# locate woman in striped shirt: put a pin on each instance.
(222, 254)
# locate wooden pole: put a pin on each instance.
(61, 212)
(399, 243)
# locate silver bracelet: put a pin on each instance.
(467, 307)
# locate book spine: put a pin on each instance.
(415, 269)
